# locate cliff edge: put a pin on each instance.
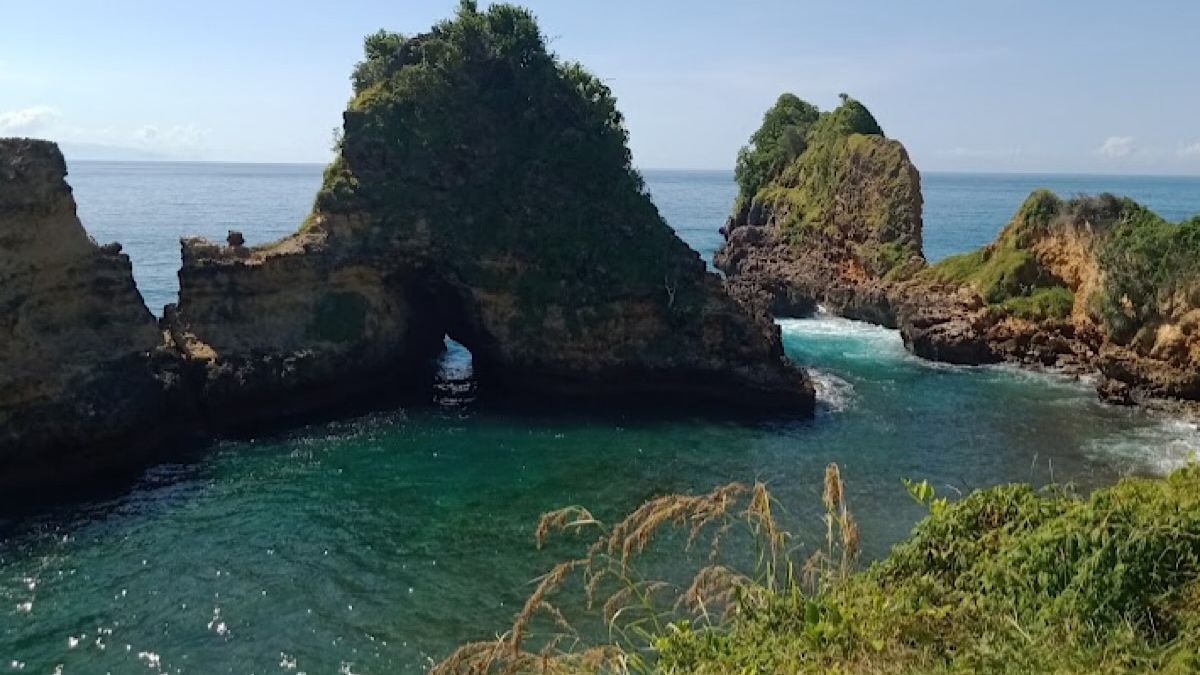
(829, 213)
(76, 340)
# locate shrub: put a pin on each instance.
(1007, 580)
(1055, 302)
(781, 138)
(1152, 269)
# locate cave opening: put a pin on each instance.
(455, 384)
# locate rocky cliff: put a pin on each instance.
(1090, 283)
(483, 190)
(294, 327)
(829, 212)
(76, 341)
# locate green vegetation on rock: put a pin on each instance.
(1006, 273)
(834, 176)
(782, 137)
(1054, 302)
(475, 137)
(1007, 580)
(491, 183)
(1150, 268)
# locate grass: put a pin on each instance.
(1006, 580)
(1150, 267)
(1055, 302)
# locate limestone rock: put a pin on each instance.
(292, 328)
(76, 339)
(830, 225)
(483, 190)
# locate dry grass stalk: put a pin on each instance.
(714, 586)
(570, 517)
(623, 598)
(473, 658)
(834, 488)
(632, 535)
(549, 583)
(760, 515)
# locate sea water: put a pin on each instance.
(377, 544)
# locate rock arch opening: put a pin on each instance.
(454, 379)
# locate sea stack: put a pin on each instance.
(482, 190)
(828, 212)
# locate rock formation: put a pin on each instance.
(483, 190)
(829, 212)
(76, 341)
(1091, 283)
(295, 327)
(834, 215)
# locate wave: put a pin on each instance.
(859, 335)
(834, 395)
(1157, 449)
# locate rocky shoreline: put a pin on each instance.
(537, 248)
(1053, 292)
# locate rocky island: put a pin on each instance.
(829, 213)
(482, 190)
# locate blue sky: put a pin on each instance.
(1099, 86)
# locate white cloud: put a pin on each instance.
(1192, 150)
(180, 136)
(1115, 147)
(27, 120)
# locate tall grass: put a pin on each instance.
(1006, 580)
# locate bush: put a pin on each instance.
(781, 138)
(1007, 580)
(1055, 302)
(1152, 269)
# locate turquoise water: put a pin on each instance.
(375, 544)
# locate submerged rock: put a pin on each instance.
(483, 190)
(77, 343)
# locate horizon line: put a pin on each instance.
(993, 172)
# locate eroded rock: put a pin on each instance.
(483, 189)
(77, 344)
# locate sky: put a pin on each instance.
(1069, 86)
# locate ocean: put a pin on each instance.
(377, 544)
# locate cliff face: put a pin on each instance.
(831, 222)
(292, 327)
(829, 212)
(75, 337)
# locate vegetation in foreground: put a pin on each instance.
(1007, 580)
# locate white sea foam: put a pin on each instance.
(1157, 444)
(1157, 449)
(828, 326)
(834, 394)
